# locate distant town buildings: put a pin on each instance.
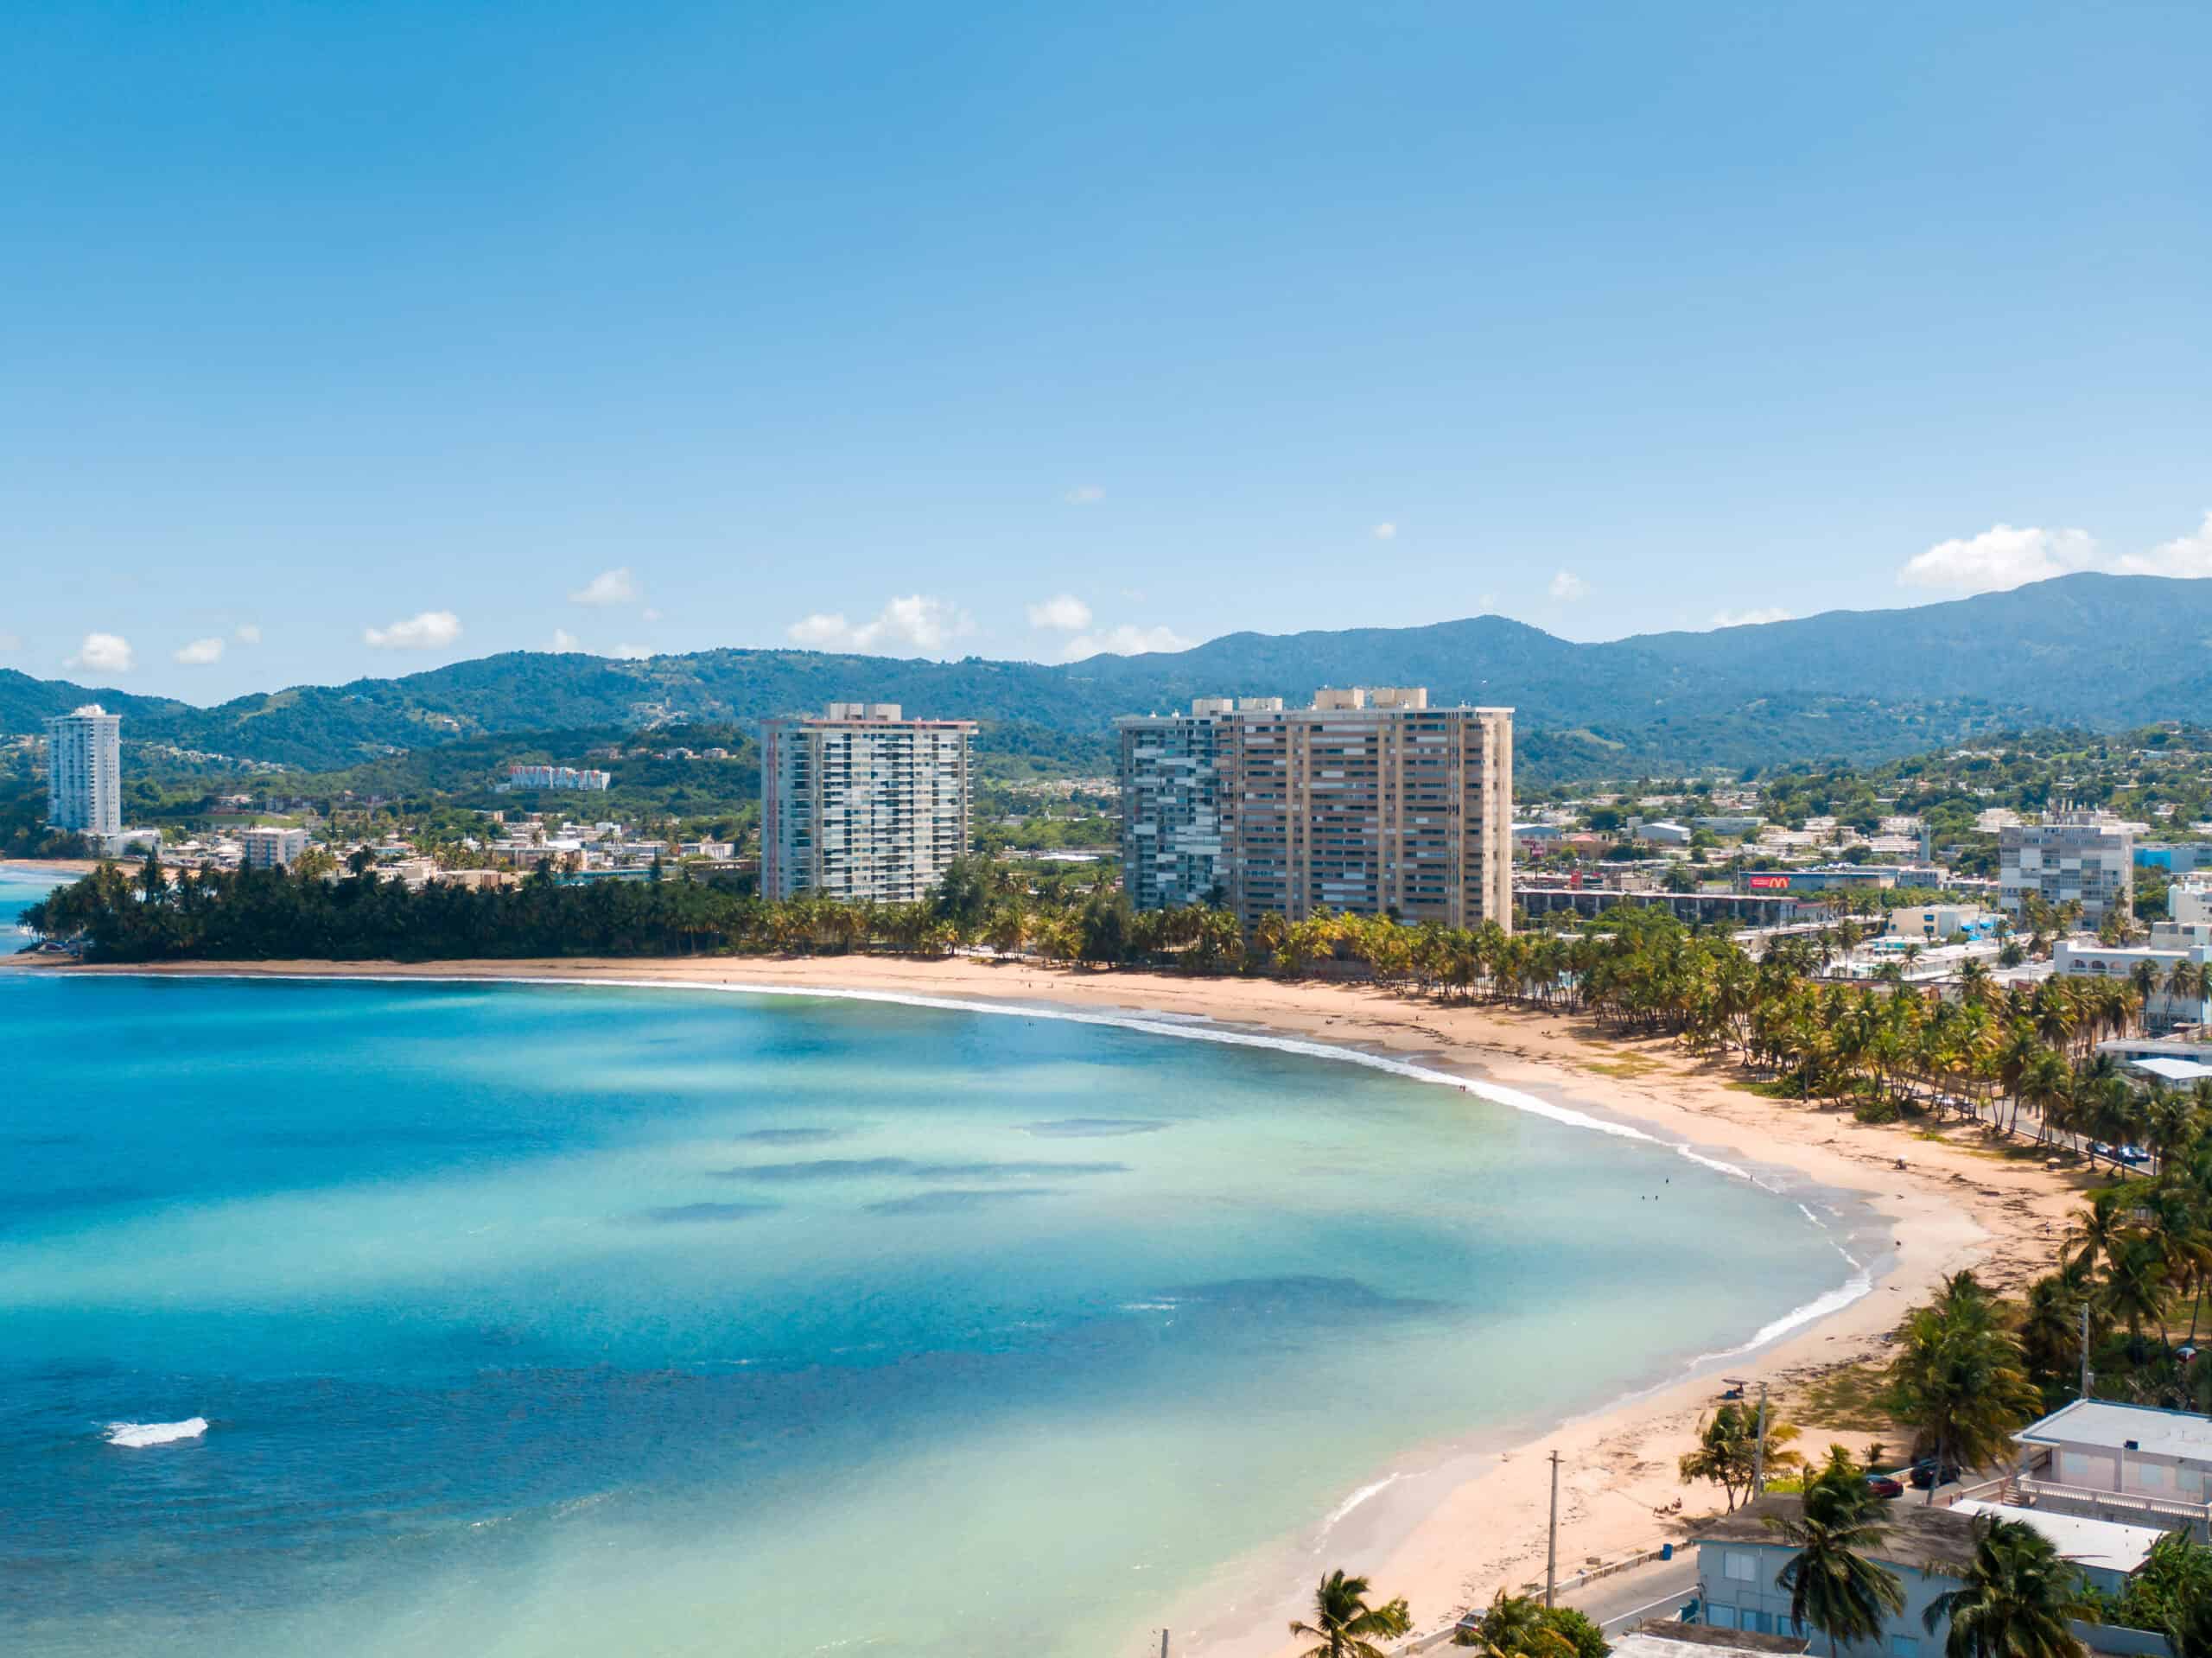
(1369, 803)
(557, 776)
(265, 847)
(859, 804)
(2084, 857)
(84, 772)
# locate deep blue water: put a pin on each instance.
(554, 1320)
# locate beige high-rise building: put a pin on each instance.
(859, 804)
(1370, 802)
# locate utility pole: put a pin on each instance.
(1551, 1549)
(1758, 1447)
(2086, 1377)
(1163, 1644)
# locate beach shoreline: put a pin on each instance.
(1471, 1518)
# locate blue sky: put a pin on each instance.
(354, 338)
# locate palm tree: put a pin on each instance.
(1516, 1626)
(1960, 1379)
(1831, 1582)
(2016, 1598)
(1344, 1622)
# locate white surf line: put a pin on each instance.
(1188, 1027)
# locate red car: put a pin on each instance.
(1883, 1486)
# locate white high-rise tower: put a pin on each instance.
(84, 772)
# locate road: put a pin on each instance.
(1628, 1597)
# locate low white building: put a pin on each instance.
(2163, 1008)
(2133, 1464)
(1936, 921)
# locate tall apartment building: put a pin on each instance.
(84, 772)
(859, 803)
(2084, 856)
(1370, 802)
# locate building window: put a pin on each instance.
(1720, 1617)
(1739, 1566)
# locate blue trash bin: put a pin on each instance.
(1665, 1551)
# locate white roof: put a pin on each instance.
(2086, 1543)
(2104, 1425)
(2174, 1071)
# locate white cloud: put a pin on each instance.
(2189, 554)
(820, 631)
(2000, 557)
(914, 626)
(426, 631)
(1085, 495)
(564, 641)
(247, 633)
(1385, 531)
(200, 652)
(650, 614)
(1063, 612)
(109, 653)
(632, 652)
(1748, 617)
(1126, 641)
(1568, 585)
(616, 587)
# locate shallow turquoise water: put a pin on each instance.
(563, 1320)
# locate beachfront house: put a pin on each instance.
(1740, 1557)
(2128, 1463)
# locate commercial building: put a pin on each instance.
(2071, 857)
(84, 772)
(271, 847)
(557, 776)
(2171, 1001)
(1776, 909)
(1937, 922)
(858, 803)
(2181, 858)
(1368, 803)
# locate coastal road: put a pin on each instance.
(1655, 1590)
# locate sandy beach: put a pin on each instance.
(1473, 1519)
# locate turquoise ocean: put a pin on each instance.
(587, 1320)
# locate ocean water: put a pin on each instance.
(564, 1320)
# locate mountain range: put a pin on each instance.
(2098, 652)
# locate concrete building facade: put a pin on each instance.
(860, 804)
(84, 772)
(268, 847)
(1369, 803)
(2071, 857)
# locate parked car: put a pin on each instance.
(1924, 1474)
(1884, 1485)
